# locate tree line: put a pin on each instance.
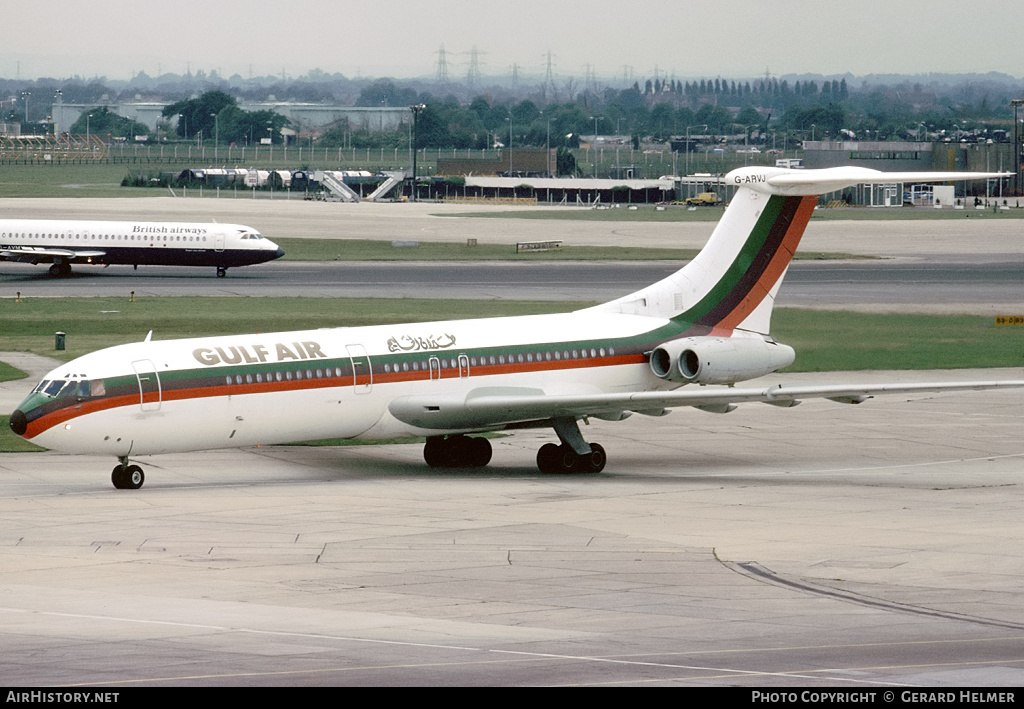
(652, 109)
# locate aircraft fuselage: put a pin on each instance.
(67, 242)
(219, 392)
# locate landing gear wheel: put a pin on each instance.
(221, 271)
(547, 458)
(560, 460)
(480, 452)
(435, 452)
(552, 459)
(457, 452)
(596, 460)
(60, 270)
(127, 477)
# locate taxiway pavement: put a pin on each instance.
(825, 545)
(946, 286)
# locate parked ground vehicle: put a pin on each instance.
(704, 198)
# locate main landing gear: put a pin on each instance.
(127, 477)
(574, 455)
(60, 269)
(552, 459)
(457, 452)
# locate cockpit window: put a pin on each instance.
(54, 387)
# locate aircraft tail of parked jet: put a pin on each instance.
(706, 325)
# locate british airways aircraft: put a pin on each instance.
(687, 340)
(63, 243)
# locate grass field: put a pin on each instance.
(9, 373)
(824, 340)
(372, 250)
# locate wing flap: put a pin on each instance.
(491, 407)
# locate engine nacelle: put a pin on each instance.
(719, 360)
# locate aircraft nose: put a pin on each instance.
(19, 422)
(279, 253)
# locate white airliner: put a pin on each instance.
(705, 326)
(63, 243)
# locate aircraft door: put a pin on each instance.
(218, 242)
(435, 367)
(463, 365)
(150, 394)
(362, 375)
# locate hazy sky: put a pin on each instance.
(401, 38)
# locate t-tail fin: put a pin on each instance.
(731, 284)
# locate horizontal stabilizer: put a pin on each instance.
(815, 182)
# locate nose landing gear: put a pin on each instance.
(127, 477)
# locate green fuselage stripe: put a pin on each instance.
(744, 271)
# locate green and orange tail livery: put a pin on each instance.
(732, 283)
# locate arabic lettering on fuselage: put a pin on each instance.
(409, 343)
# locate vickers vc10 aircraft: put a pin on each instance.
(63, 243)
(684, 341)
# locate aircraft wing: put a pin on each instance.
(43, 254)
(492, 407)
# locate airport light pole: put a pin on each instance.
(415, 136)
(698, 125)
(216, 135)
(509, 119)
(547, 148)
(1016, 103)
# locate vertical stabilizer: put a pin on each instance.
(731, 284)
